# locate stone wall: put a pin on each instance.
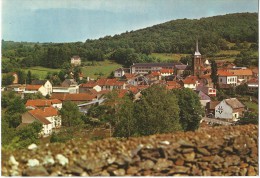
(218, 151)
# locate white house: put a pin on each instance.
(48, 117)
(75, 60)
(229, 109)
(35, 89)
(166, 72)
(190, 82)
(120, 72)
(46, 84)
(226, 78)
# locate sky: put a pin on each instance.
(79, 20)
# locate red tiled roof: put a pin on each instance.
(166, 70)
(129, 76)
(50, 111)
(55, 101)
(33, 87)
(242, 72)
(122, 93)
(133, 89)
(224, 73)
(173, 85)
(156, 73)
(38, 103)
(253, 80)
(190, 80)
(39, 115)
(109, 82)
(73, 97)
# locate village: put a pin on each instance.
(140, 76)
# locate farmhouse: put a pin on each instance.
(75, 60)
(226, 78)
(46, 84)
(35, 89)
(229, 109)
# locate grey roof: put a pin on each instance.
(39, 82)
(156, 64)
(234, 103)
(181, 67)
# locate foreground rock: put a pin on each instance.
(219, 151)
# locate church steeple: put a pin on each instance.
(197, 53)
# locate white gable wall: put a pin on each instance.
(223, 111)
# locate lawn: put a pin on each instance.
(40, 72)
(102, 67)
(252, 106)
(167, 56)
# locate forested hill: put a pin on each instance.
(177, 36)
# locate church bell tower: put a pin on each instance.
(197, 62)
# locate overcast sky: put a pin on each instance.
(79, 20)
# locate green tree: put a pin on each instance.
(249, 118)
(70, 114)
(242, 89)
(157, 111)
(190, 108)
(7, 79)
(126, 123)
(29, 77)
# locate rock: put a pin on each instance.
(62, 160)
(104, 173)
(148, 164)
(180, 169)
(189, 156)
(119, 172)
(228, 149)
(48, 160)
(32, 146)
(75, 170)
(251, 171)
(162, 164)
(131, 171)
(187, 150)
(12, 161)
(111, 160)
(203, 151)
(185, 143)
(35, 171)
(33, 162)
(243, 172)
(179, 162)
(165, 142)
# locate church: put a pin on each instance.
(200, 67)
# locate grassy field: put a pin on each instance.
(252, 106)
(167, 56)
(40, 72)
(104, 67)
(228, 52)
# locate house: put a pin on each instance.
(42, 103)
(166, 72)
(145, 68)
(207, 90)
(205, 80)
(204, 98)
(120, 72)
(75, 60)
(18, 88)
(110, 84)
(46, 84)
(35, 89)
(190, 82)
(226, 78)
(229, 109)
(255, 72)
(69, 83)
(243, 75)
(84, 87)
(210, 107)
(76, 98)
(181, 70)
(48, 117)
(253, 85)
(173, 85)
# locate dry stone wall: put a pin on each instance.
(218, 151)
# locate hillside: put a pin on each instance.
(216, 34)
(217, 151)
